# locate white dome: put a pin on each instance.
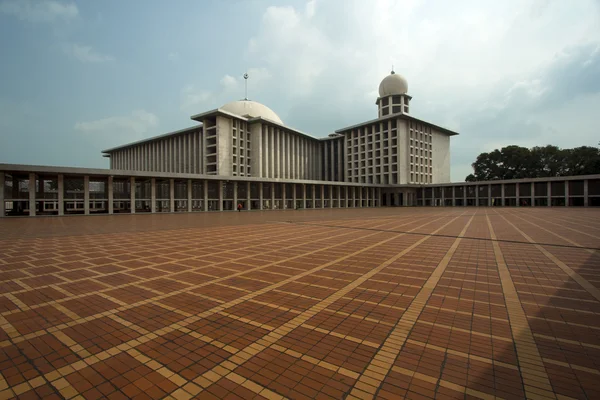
(252, 109)
(393, 84)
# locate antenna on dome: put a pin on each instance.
(246, 83)
(393, 69)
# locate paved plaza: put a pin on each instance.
(328, 304)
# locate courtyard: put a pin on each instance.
(432, 302)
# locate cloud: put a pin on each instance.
(194, 100)
(173, 56)
(127, 127)
(86, 54)
(228, 82)
(39, 10)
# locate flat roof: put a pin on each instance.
(401, 116)
(174, 133)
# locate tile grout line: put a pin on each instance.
(367, 386)
(536, 382)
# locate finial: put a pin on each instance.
(246, 83)
(393, 69)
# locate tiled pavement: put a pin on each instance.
(389, 303)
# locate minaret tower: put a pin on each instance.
(393, 97)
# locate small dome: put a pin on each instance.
(251, 109)
(393, 84)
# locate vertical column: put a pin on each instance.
(248, 196)
(153, 195)
(32, 194)
(304, 195)
(502, 195)
(346, 196)
(283, 196)
(360, 197)
(586, 201)
(443, 191)
(235, 196)
(220, 183)
(464, 196)
(566, 193)
(477, 195)
(205, 193)
(337, 188)
(433, 196)
(453, 196)
(517, 194)
(323, 196)
(314, 197)
(110, 190)
(260, 195)
(86, 195)
(172, 195)
(132, 193)
(2, 204)
(532, 194)
(549, 193)
(489, 199)
(272, 154)
(353, 196)
(61, 194)
(273, 185)
(189, 193)
(294, 196)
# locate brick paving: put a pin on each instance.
(364, 303)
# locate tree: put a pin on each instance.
(515, 162)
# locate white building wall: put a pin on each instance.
(441, 157)
(224, 146)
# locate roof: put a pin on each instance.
(174, 133)
(401, 116)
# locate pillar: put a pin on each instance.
(549, 193)
(205, 193)
(453, 196)
(172, 195)
(323, 196)
(339, 193)
(283, 196)
(2, 203)
(443, 191)
(294, 195)
(532, 194)
(31, 195)
(433, 196)
(189, 195)
(61, 194)
(517, 185)
(353, 196)
(502, 195)
(360, 197)
(304, 195)
(41, 194)
(153, 195)
(464, 195)
(566, 193)
(248, 196)
(132, 194)
(260, 195)
(235, 196)
(273, 195)
(220, 191)
(86, 195)
(585, 193)
(489, 200)
(346, 196)
(111, 195)
(314, 197)
(476, 195)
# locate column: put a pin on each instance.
(489, 200)
(153, 195)
(353, 196)
(477, 195)
(323, 196)
(61, 194)
(260, 195)
(502, 195)
(346, 197)
(464, 196)
(360, 197)
(294, 196)
(172, 195)
(86, 195)
(517, 194)
(585, 193)
(314, 198)
(566, 193)
(453, 196)
(339, 193)
(2, 204)
(273, 195)
(220, 183)
(189, 195)
(304, 195)
(110, 190)
(132, 194)
(283, 196)
(443, 192)
(433, 196)
(235, 196)
(532, 194)
(32, 195)
(549, 193)
(205, 192)
(248, 197)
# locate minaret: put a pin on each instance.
(246, 84)
(393, 97)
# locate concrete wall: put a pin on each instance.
(224, 146)
(441, 157)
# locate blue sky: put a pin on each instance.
(79, 77)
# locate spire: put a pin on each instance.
(246, 84)
(392, 70)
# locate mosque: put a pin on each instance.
(243, 153)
